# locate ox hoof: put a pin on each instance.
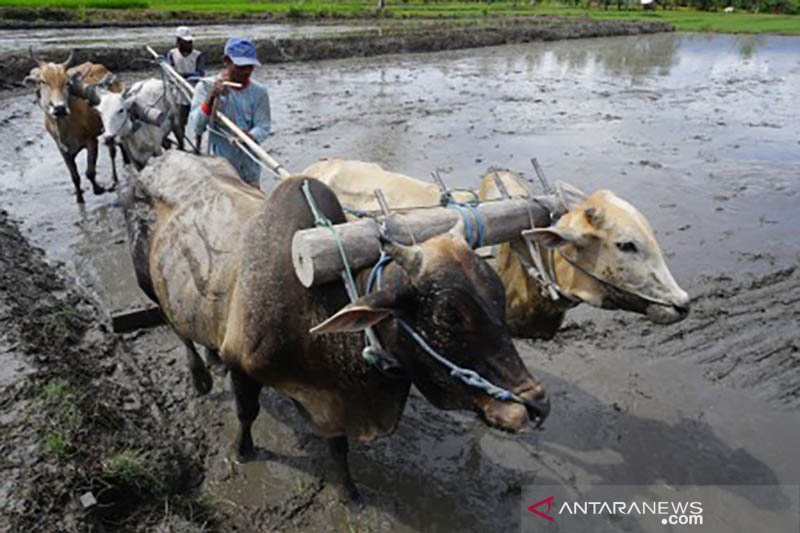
(246, 455)
(353, 497)
(215, 364)
(98, 190)
(219, 370)
(79, 199)
(202, 382)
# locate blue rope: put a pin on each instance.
(469, 213)
(467, 376)
(375, 274)
(370, 352)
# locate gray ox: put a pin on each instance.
(215, 254)
(68, 117)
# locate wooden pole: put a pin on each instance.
(315, 251)
(127, 321)
(253, 146)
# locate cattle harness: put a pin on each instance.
(374, 353)
(541, 267)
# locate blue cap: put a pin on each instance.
(241, 52)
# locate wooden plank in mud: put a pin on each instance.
(128, 321)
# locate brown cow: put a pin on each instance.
(71, 121)
(602, 252)
(616, 261)
(215, 254)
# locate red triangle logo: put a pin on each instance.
(534, 510)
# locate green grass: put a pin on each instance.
(57, 444)
(692, 20)
(78, 4)
(57, 398)
(56, 392)
(136, 469)
(683, 19)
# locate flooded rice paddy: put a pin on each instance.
(700, 132)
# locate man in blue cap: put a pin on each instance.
(237, 96)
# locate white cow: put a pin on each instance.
(139, 119)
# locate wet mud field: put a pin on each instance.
(699, 132)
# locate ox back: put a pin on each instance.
(216, 255)
(341, 393)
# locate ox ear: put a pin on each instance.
(553, 237)
(571, 197)
(594, 216)
(355, 317)
(32, 78)
(361, 314)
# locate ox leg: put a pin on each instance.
(246, 390)
(91, 166)
(214, 361)
(201, 378)
(339, 448)
(126, 158)
(112, 153)
(69, 159)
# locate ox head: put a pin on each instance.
(52, 85)
(115, 109)
(456, 302)
(608, 257)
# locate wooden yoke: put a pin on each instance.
(315, 251)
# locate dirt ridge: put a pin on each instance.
(86, 444)
(14, 66)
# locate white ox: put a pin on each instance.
(602, 251)
(139, 119)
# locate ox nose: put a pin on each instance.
(682, 310)
(682, 304)
(60, 110)
(538, 409)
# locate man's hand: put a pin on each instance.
(217, 88)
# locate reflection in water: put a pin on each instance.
(748, 45)
(633, 57)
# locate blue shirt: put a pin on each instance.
(248, 108)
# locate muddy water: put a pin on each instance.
(700, 132)
(21, 40)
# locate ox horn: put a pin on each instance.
(66, 63)
(570, 197)
(107, 81)
(459, 228)
(409, 258)
(34, 56)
